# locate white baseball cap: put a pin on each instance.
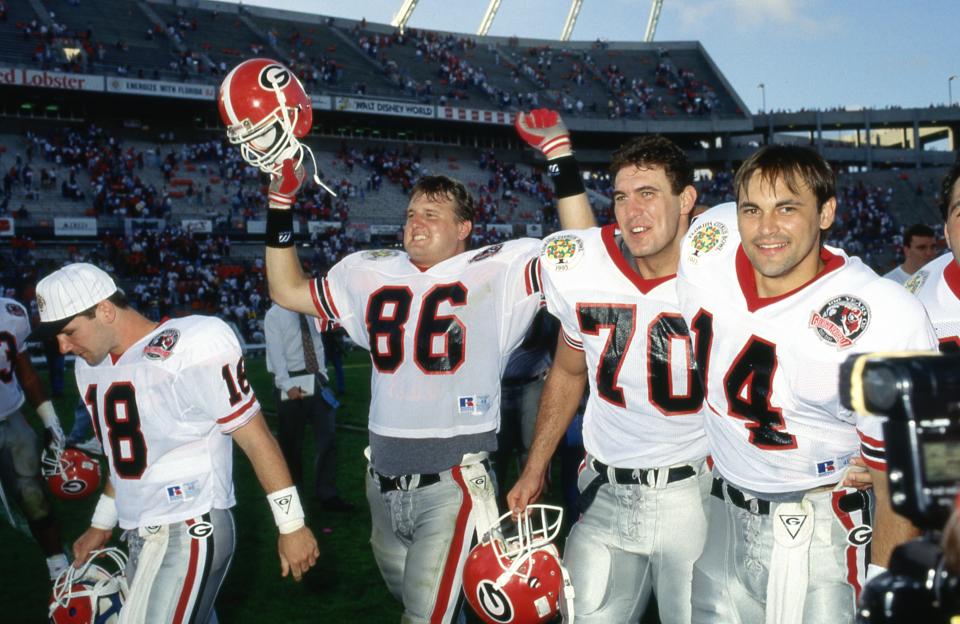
(67, 292)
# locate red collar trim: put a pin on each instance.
(951, 275)
(608, 235)
(748, 281)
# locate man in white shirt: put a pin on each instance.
(295, 356)
(167, 400)
(919, 248)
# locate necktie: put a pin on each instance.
(309, 353)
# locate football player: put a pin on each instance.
(644, 482)
(778, 311)
(19, 458)
(167, 400)
(919, 248)
(439, 322)
(938, 283)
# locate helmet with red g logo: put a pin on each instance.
(266, 110)
(93, 593)
(71, 476)
(519, 579)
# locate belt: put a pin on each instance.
(628, 476)
(757, 506)
(298, 373)
(408, 482)
(854, 501)
(642, 476)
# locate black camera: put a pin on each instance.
(919, 395)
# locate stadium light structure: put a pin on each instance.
(571, 20)
(653, 20)
(763, 97)
(403, 15)
(950, 89)
(488, 18)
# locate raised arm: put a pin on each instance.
(288, 286)
(544, 130)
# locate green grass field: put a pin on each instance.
(345, 585)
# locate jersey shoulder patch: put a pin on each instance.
(487, 252)
(15, 309)
(562, 251)
(916, 281)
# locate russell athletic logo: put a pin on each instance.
(841, 320)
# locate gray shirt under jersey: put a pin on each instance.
(405, 456)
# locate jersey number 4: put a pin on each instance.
(748, 388)
(439, 340)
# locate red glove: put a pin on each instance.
(284, 187)
(544, 130)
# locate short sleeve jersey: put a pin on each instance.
(646, 401)
(439, 338)
(163, 410)
(776, 423)
(937, 285)
(14, 329)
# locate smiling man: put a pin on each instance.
(779, 311)
(440, 323)
(645, 482)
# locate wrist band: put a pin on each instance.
(47, 414)
(287, 510)
(279, 228)
(105, 515)
(565, 174)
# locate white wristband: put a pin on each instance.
(873, 571)
(47, 414)
(287, 510)
(105, 515)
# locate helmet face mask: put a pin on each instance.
(71, 476)
(518, 579)
(93, 593)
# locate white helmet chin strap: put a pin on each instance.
(287, 147)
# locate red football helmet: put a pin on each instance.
(93, 593)
(71, 476)
(266, 110)
(519, 579)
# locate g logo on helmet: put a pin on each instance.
(494, 602)
(74, 486)
(274, 76)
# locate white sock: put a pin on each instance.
(56, 564)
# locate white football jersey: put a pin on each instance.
(439, 339)
(163, 411)
(14, 329)
(937, 285)
(776, 423)
(646, 400)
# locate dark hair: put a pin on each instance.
(794, 164)
(441, 187)
(917, 229)
(655, 150)
(946, 188)
(118, 298)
